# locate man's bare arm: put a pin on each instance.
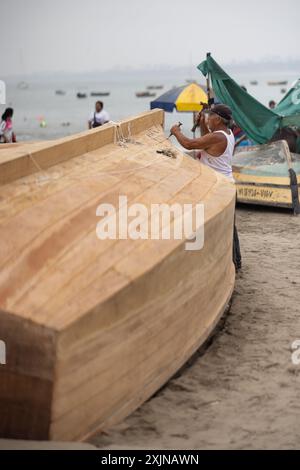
(200, 143)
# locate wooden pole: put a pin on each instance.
(208, 89)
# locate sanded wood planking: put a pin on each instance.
(93, 328)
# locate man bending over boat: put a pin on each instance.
(216, 142)
(216, 146)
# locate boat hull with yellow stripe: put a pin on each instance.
(263, 175)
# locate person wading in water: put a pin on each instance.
(216, 146)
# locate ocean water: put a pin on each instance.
(39, 102)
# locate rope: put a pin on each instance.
(122, 141)
(34, 162)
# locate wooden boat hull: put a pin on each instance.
(94, 328)
(262, 174)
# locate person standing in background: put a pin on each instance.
(7, 135)
(99, 116)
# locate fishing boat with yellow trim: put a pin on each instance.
(268, 175)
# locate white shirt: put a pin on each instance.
(6, 134)
(101, 117)
(223, 163)
(2, 127)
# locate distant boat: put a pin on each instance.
(283, 90)
(190, 80)
(254, 82)
(60, 92)
(81, 95)
(284, 82)
(145, 94)
(100, 93)
(155, 87)
(23, 86)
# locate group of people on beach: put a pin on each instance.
(8, 136)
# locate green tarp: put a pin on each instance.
(289, 106)
(257, 121)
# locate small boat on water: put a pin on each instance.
(81, 95)
(91, 331)
(60, 92)
(191, 80)
(267, 175)
(254, 82)
(23, 85)
(155, 87)
(280, 83)
(100, 93)
(145, 94)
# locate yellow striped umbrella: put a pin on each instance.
(184, 99)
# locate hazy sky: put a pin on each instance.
(84, 35)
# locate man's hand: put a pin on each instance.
(200, 119)
(175, 129)
(204, 106)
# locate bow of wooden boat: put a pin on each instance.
(94, 327)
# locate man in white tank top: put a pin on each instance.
(216, 146)
(216, 142)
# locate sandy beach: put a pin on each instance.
(244, 391)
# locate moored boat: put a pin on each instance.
(144, 94)
(23, 85)
(268, 174)
(100, 93)
(279, 83)
(94, 327)
(155, 87)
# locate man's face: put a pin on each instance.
(213, 121)
(98, 107)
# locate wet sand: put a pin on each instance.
(244, 392)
